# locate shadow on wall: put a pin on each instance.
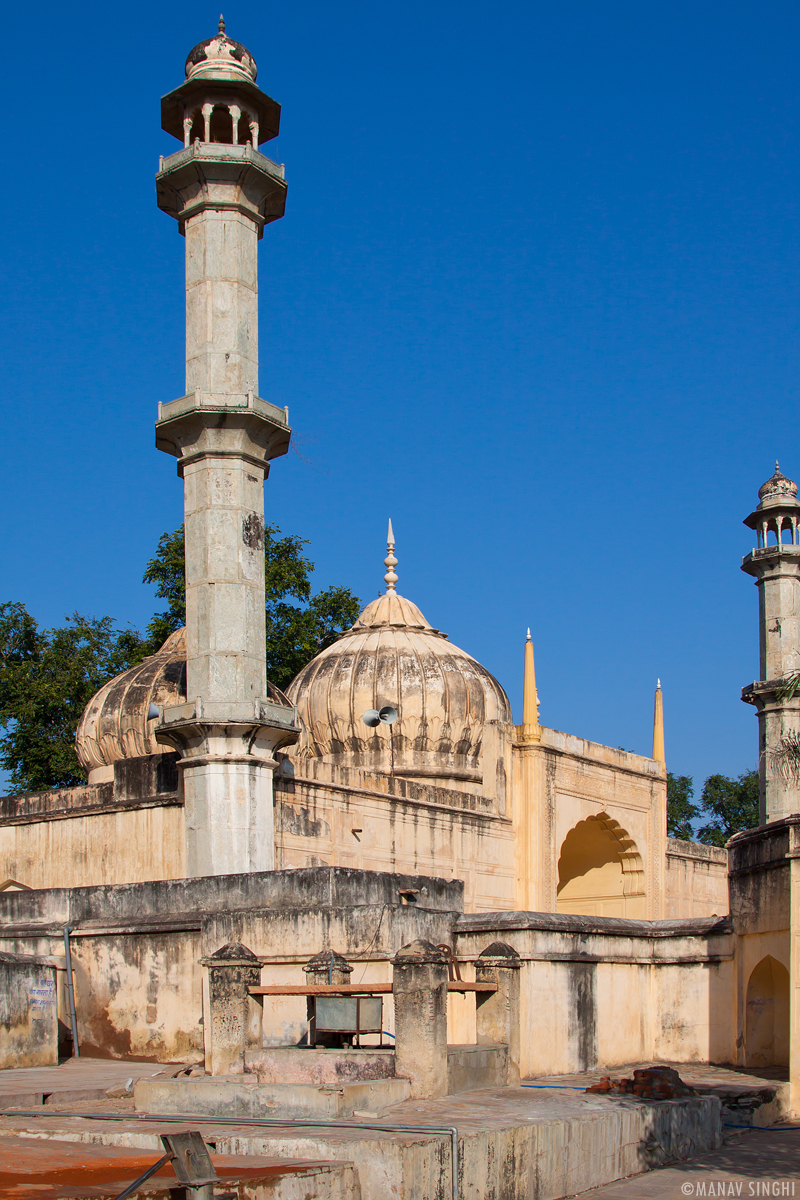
(767, 1031)
(600, 871)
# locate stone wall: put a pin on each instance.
(137, 948)
(28, 1016)
(599, 991)
(346, 817)
(696, 880)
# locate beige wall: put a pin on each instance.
(129, 846)
(696, 882)
(562, 781)
(340, 816)
(606, 997)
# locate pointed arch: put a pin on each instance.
(767, 1027)
(600, 870)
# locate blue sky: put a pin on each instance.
(534, 297)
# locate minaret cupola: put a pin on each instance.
(219, 102)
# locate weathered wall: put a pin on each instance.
(760, 892)
(136, 948)
(28, 1017)
(123, 844)
(603, 992)
(347, 817)
(696, 880)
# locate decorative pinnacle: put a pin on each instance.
(221, 23)
(658, 685)
(390, 562)
(528, 638)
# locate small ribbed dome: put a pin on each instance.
(115, 724)
(221, 58)
(777, 487)
(393, 656)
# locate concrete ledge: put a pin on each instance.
(318, 1066)
(236, 1098)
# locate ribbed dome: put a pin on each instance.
(777, 487)
(221, 58)
(392, 656)
(115, 724)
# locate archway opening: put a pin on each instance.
(767, 1031)
(600, 871)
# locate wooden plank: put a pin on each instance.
(354, 989)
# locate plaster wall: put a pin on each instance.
(696, 880)
(345, 817)
(561, 781)
(129, 845)
(604, 992)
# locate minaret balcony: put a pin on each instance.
(211, 175)
(766, 559)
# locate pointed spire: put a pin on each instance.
(390, 562)
(530, 697)
(221, 23)
(658, 726)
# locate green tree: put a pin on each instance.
(732, 805)
(681, 811)
(47, 677)
(296, 632)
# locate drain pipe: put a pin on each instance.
(198, 1118)
(76, 1050)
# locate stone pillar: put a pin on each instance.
(498, 1012)
(419, 987)
(224, 437)
(234, 1014)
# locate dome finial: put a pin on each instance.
(221, 23)
(777, 466)
(390, 562)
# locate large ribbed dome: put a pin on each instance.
(392, 656)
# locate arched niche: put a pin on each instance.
(600, 871)
(767, 1028)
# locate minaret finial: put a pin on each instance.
(528, 638)
(777, 467)
(658, 726)
(390, 562)
(221, 23)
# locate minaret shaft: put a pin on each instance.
(221, 303)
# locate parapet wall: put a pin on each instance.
(696, 880)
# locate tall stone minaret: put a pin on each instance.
(222, 192)
(776, 568)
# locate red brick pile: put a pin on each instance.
(649, 1083)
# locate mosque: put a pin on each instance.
(391, 776)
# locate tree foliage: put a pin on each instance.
(732, 805)
(681, 810)
(48, 676)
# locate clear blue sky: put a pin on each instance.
(534, 297)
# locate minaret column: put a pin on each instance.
(222, 191)
(776, 569)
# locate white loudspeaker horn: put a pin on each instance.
(388, 714)
(371, 717)
(152, 712)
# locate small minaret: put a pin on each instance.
(776, 568)
(222, 191)
(531, 731)
(658, 726)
